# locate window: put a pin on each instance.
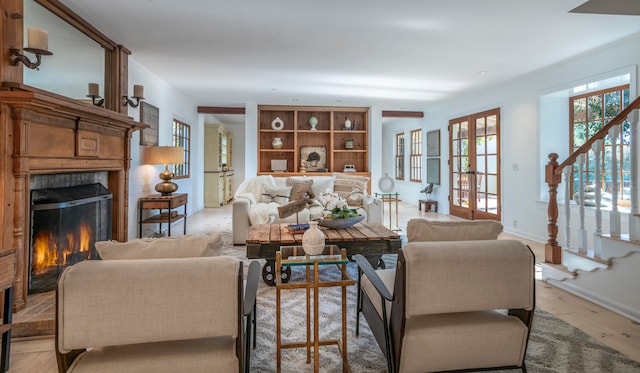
(415, 161)
(182, 137)
(400, 156)
(588, 114)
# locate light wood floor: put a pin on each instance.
(36, 354)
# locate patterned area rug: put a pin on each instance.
(554, 345)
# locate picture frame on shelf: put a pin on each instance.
(433, 143)
(150, 115)
(314, 158)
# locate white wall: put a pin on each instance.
(143, 177)
(519, 102)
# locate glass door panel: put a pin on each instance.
(474, 179)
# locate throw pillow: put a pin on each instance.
(299, 188)
(164, 247)
(352, 188)
(279, 195)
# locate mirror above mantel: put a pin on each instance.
(76, 61)
(81, 55)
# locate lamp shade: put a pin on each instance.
(165, 155)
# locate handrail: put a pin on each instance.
(621, 117)
(553, 178)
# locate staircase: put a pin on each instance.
(602, 263)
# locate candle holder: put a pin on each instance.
(138, 95)
(94, 94)
(38, 44)
(19, 57)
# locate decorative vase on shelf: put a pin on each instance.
(313, 122)
(277, 143)
(347, 124)
(313, 240)
(277, 124)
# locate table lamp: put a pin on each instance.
(166, 155)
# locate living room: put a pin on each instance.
(524, 150)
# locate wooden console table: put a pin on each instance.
(166, 214)
(7, 270)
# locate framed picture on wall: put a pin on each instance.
(433, 143)
(433, 170)
(150, 115)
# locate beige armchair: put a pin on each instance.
(155, 315)
(452, 305)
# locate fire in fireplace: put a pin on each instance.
(65, 224)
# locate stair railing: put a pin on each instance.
(553, 177)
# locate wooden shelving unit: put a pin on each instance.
(330, 133)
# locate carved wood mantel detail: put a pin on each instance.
(43, 133)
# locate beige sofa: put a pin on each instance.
(152, 315)
(257, 200)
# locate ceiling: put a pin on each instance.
(401, 55)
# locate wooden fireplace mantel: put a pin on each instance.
(44, 133)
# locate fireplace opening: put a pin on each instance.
(65, 225)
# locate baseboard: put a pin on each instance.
(620, 309)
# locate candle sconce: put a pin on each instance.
(94, 94)
(138, 95)
(38, 44)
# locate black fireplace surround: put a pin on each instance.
(66, 223)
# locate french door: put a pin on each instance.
(474, 169)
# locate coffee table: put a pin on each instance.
(369, 239)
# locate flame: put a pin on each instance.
(45, 252)
(85, 237)
(45, 247)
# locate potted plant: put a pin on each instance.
(348, 143)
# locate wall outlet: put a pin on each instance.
(515, 224)
(516, 166)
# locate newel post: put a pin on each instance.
(552, 251)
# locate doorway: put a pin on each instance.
(474, 176)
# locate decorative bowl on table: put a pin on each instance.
(341, 222)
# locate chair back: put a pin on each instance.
(419, 230)
(117, 302)
(465, 276)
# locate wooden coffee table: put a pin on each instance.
(369, 239)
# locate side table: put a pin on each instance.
(166, 214)
(390, 197)
(7, 270)
(427, 205)
(290, 256)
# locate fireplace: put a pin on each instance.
(65, 224)
(46, 134)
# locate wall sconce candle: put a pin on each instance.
(94, 94)
(37, 43)
(138, 95)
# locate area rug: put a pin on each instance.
(554, 345)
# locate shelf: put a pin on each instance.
(162, 219)
(297, 135)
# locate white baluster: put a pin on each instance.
(634, 153)
(582, 232)
(614, 133)
(567, 206)
(597, 152)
